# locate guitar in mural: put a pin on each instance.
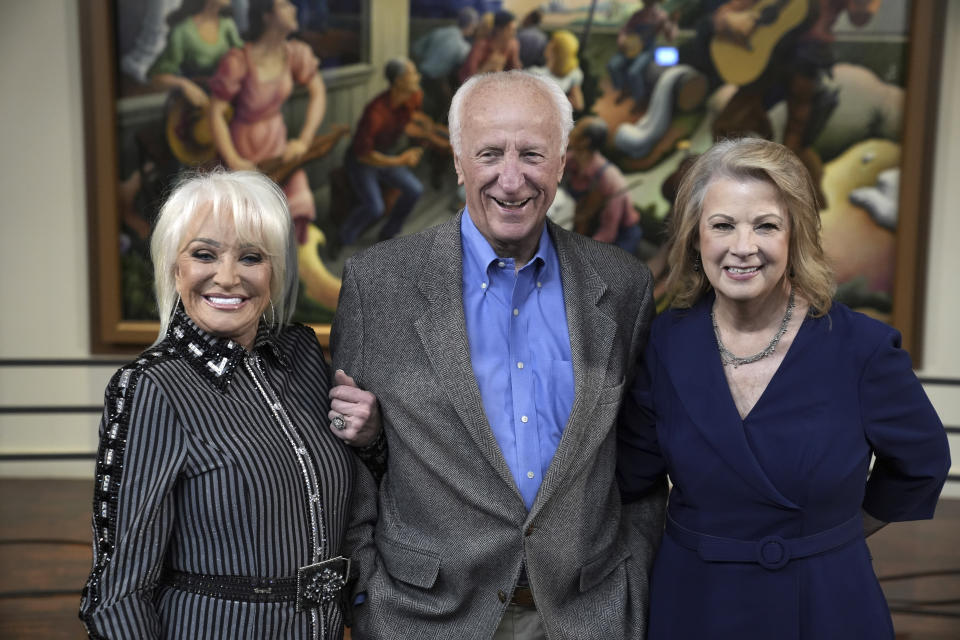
(741, 58)
(279, 169)
(188, 131)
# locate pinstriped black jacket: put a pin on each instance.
(195, 474)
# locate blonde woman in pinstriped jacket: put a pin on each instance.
(222, 496)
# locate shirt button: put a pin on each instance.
(530, 474)
(539, 284)
(523, 418)
(483, 285)
(519, 365)
(516, 312)
(501, 264)
(529, 530)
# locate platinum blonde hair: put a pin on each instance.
(504, 82)
(258, 210)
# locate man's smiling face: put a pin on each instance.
(510, 164)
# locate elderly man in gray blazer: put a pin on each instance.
(499, 346)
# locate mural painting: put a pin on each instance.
(824, 77)
(651, 83)
(206, 83)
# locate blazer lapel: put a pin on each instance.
(696, 373)
(443, 331)
(592, 333)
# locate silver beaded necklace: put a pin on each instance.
(728, 358)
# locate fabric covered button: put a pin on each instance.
(772, 553)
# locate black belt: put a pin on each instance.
(314, 585)
(523, 597)
(771, 552)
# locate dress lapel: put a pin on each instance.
(592, 333)
(443, 331)
(696, 372)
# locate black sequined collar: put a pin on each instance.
(213, 357)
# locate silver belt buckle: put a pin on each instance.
(321, 583)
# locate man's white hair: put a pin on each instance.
(505, 82)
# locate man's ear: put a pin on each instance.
(456, 165)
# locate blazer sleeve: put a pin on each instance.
(347, 353)
(640, 466)
(641, 472)
(358, 543)
(133, 513)
(907, 437)
(346, 349)
(346, 333)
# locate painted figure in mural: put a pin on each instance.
(156, 21)
(679, 88)
(201, 33)
(484, 26)
(438, 56)
(769, 454)
(604, 209)
(563, 67)
(784, 54)
(498, 51)
(255, 81)
(630, 68)
(376, 156)
(150, 40)
(533, 40)
(198, 33)
(224, 489)
(499, 516)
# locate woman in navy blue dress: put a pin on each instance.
(765, 402)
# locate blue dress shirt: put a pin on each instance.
(520, 351)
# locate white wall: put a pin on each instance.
(941, 352)
(43, 251)
(44, 311)
(43, 246)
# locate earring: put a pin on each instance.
(273, 315)
(697, 264)
(173, 312)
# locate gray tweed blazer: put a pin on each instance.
(442, 554)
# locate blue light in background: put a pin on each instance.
(666, 56)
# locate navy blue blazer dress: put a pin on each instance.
(764, 537)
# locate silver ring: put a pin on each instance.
(339, 423)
